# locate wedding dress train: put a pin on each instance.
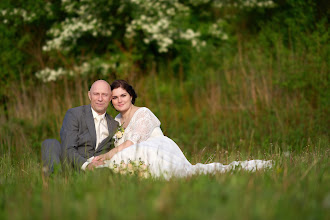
(162, 155)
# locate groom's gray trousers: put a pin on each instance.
(51, 154)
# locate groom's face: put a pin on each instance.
(100, 96)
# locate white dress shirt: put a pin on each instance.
(101, 133)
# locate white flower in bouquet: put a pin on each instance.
(116, 168)
(144, 167)
(123, 166)
(123, 171)
(144, 174)
(130, 167)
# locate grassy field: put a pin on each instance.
(297, 187)
(250, 106)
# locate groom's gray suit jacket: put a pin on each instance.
(78, 135)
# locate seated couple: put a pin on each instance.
(90, 138)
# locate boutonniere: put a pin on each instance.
(119, 133)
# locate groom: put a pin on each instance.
(86, 132)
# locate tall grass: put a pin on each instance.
(295, 188)
(243, 103)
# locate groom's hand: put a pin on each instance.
(99, 158)
(94, 164)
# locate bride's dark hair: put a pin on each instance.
(124, 85)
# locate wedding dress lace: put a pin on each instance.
(162, 155)
(143, 125)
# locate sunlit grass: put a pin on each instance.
(296, 187)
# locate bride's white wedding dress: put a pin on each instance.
(161, 154)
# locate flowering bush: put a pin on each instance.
(106, 29)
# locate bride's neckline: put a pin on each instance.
(127, 122)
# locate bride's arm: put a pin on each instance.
(112, 152)
(123, 146)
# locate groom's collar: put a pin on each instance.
(96, 115)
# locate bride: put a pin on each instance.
(139, 137)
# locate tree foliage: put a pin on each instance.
(56, 38)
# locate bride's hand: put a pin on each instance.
(99, 158)
(106, 156)
(112, 152)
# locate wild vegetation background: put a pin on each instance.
(229, 80)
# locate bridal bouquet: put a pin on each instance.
(136, 167)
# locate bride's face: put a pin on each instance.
(121, 99)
